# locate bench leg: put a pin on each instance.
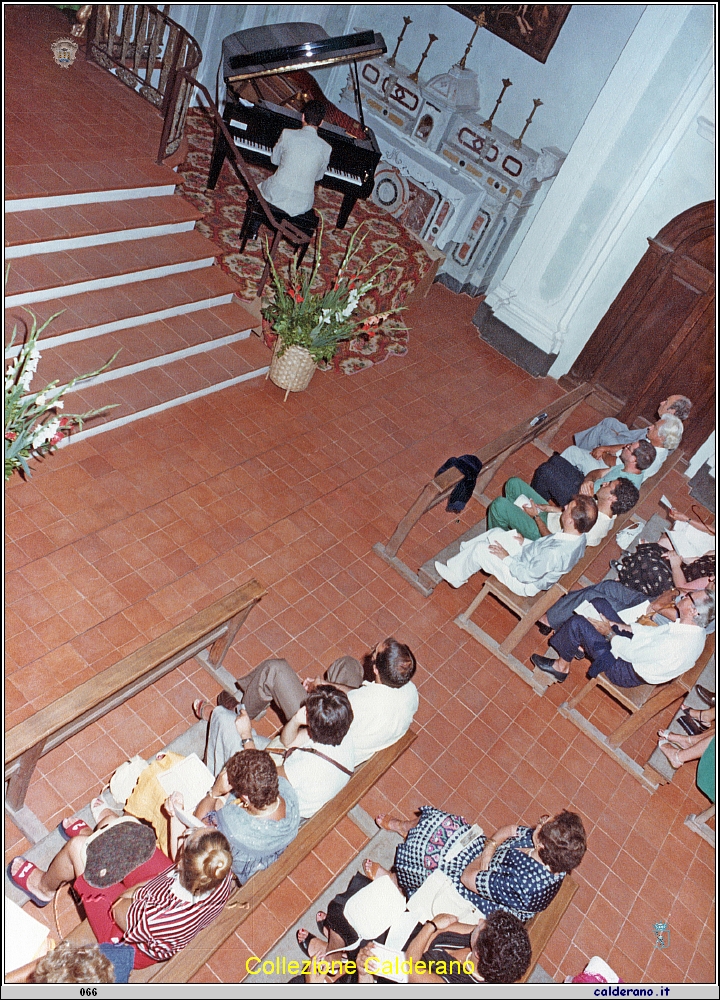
(577, 698)
(476, 603)
(539, 608)
(19, 781)
(652, 706)
(219, 648)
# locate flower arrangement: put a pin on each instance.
(319, 320)
(33, 425)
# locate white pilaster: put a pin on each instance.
(591, 229)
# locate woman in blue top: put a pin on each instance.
(254, 807)
(519, 869)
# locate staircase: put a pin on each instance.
(114, 252)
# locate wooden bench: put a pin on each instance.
(643, 703)
(212, 629)
(183, 966)
(439, 489)
(530, 609)
(542, 926)
(698, 823)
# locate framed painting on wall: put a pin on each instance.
(531, 27)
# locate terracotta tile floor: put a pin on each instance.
(116, 539)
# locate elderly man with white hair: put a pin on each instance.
(612, 431)
(665, 435)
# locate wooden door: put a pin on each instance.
(658, 336)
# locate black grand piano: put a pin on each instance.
(265, 70)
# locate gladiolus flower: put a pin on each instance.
(56, 439)
(10, 435)
(65, 421)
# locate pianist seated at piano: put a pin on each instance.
(302, 158)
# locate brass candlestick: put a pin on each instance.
(391, 60)
(479, 23)
(488, 123)
(517, 143)
(414, 76)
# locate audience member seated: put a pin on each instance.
(619, 598)
(635, 654)
(383, 708)
(612, 431)
(497, 948)
(69, 963)
(519, 869)
(254, 807)
(558, 479)
(315, 751)
(540, 518)
(679, 749)
(655, 566)
(665, 436)
(130, 891)
(525, 567)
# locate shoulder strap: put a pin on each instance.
(318, 753)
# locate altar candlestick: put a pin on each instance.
(391, 60)
(517, 143)
(414, 76)
(489, 122)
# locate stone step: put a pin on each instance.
(69, 272)
(71, 183)
(93, 314)
(181, 380)
(145, 345)
(72, 227)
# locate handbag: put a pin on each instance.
(626, 536)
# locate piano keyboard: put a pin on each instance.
(257, 147)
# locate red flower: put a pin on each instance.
(56, 438)
(11, 435)
(65, 421)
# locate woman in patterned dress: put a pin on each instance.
(519, 869)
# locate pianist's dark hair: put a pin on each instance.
(314, 112)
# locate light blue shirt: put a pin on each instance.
(542, 562)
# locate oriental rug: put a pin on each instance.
(224, 209)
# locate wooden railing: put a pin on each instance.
(213, 629)
(147, 50)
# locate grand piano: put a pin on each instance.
(265, 71)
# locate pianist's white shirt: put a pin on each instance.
(302, 158)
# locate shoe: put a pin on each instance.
(305, 945)
(693, 727)
(544, 629)
(545, 664)
(20, 879)
(705, 695)
(321, 922)
(671, 753)
(226, 700)
(442, 571)
(69, 828)
(199, 706)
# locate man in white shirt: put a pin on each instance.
(538, 518)
(664, 436)
(383, 708)
(320, 755)
(302, 158)
(525, 567)
(611, 431)
(635, 654)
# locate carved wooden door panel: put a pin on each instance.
(658, 336)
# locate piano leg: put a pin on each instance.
(218, 158)
(346, 208)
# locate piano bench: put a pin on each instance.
(255, 217)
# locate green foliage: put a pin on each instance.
(319, 321)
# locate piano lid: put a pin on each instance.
(280, 48)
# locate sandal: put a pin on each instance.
(20, 879)
(304, 945)
(199, 706)
(373, 869)
(75, 828)
(700, 715)
(321, 922)
(390, 823)
(98, 806)
(691, 725)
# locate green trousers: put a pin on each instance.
(502, 512)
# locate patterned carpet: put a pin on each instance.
(224, 209)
